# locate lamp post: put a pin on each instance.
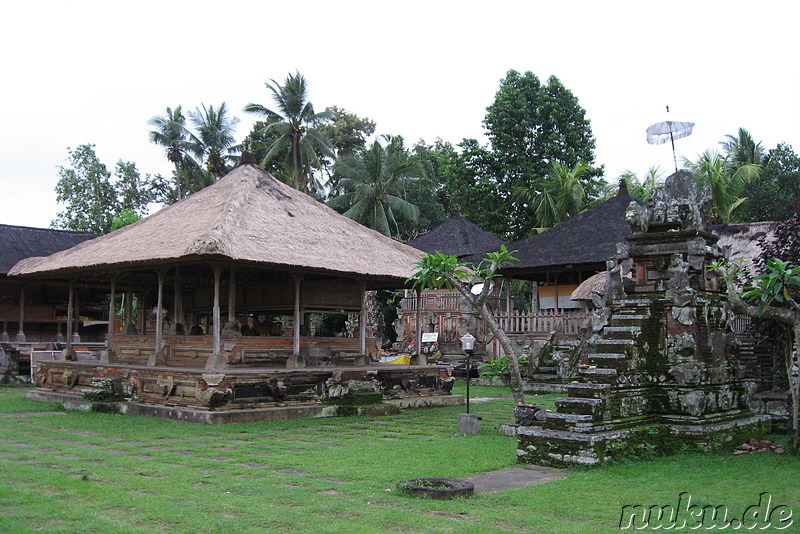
(468, 344)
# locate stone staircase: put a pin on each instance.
(557, 366)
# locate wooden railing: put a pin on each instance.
(568, 321)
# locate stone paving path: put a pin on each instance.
(514, 477)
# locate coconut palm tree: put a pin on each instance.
(171, 133)
(557, 196)
(298, 141)
(374, 180)
(728, 183)
(741, 149)
(213, 141)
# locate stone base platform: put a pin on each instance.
(560, 447)
(75, 402)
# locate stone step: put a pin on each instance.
(610, 360)
(587, 390)
(613, 345)
(566, 421)
(543, 377)
(578, 405)
(632, 302)
(603, 376)
(621, 332)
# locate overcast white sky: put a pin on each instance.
(95, 72)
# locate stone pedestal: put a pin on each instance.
(467, 424)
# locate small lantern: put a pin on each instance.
(468, 342)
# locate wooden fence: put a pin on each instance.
(568, 321)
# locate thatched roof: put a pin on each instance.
(20, 242)
(586, 289)
(457, 237)
(246, 217)
(586, 240)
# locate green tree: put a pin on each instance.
(297, 140)
(92, 199)
(171, 133)
(557, 196)
(529, 125)
(775, 196)
(213, 141)
(375, 181)
(728, 184)
(741, 149)
(435, 271)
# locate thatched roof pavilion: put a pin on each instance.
(248, 222)
(284, 257)
(457, 237)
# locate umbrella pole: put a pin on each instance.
(674, 159)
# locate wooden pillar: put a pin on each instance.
(296, 361)
(70, 313)
(108, 355)
(4, 335)
(76, 317)
(362, 324)
(21, 329)
(232, 296)
(216, 315)
(128, 313)
(217, 360)
(177, 304)
(418, 340)
(158, 357)
(68, 353)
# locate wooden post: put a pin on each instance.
(418, 340)
(298, 280)
(21, 329)
(232, 296)
(217, 360)
(4, 335)
(177, 304)
(70, 313)
(76, 316)
(362, 324)
(68, 353)
(108, 355)
(159, 352)
(216, 312)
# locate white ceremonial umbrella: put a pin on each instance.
(661, 132)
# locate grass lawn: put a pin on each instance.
(102, 473)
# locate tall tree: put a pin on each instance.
(375, 180)
(92, 199)
(297, 139)
(213, 141)
(529, 126)
(171, 133)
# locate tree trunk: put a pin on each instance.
(515, 377)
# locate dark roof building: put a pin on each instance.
(582, 243)
(458, 237)
(20, 242)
